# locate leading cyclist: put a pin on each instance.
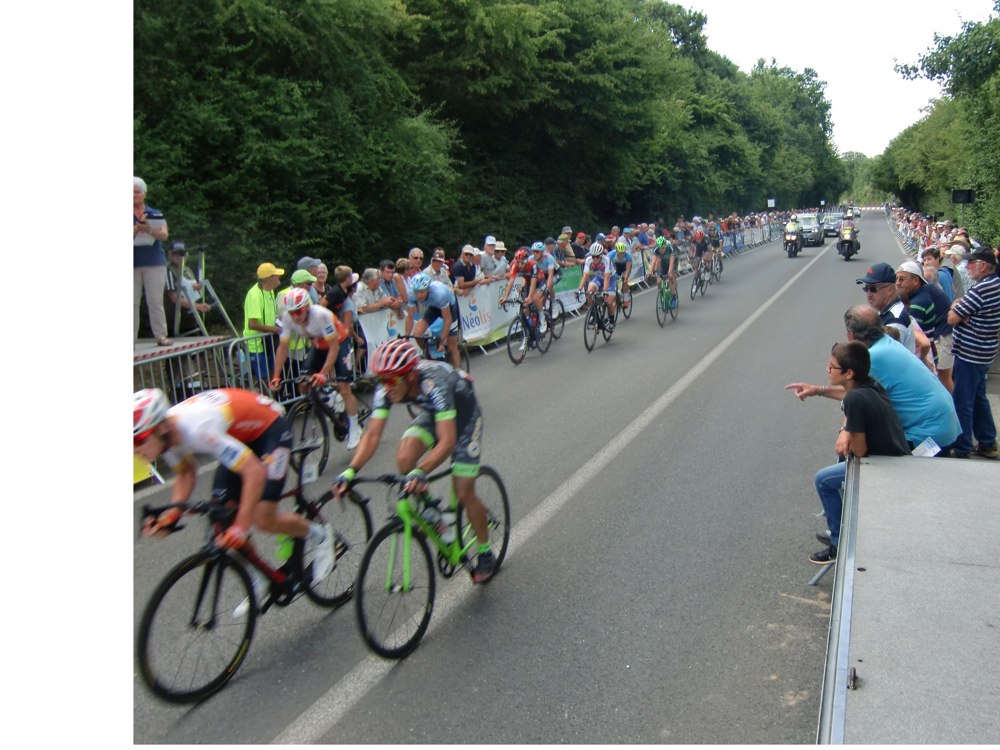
(248, 435)
(665, 263)
(598, 276)
(449, 425)
(621, 260)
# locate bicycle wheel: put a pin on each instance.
(493, 495)
(558, 318)
(626, 304)
(544, 340)
(662, 304)
(517, 340)
(591, 326)
(309, 425)
(352, 528)
(705, 276)
(196, 630)
(393, 614)
(673, 303)
(695, 283)
(718, 275)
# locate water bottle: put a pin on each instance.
(283, 553)
(446, 527)
(431, 513)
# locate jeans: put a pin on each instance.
(828, 484)
(972, 406)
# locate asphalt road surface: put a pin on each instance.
(655, 588)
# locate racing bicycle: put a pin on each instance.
(701, 278)
(396, 580)
(666, 302)
(623, 296)
(524, 334)
(313, 417)
(197, 626)
(599, 319)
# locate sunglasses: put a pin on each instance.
(872, 288)
(390, 381)
(142, 437)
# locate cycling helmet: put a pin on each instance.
(395, 357)
(297, 299)
(149, 407)
(596, 249)
(795, 217)
(521, 255)
(699, 234)
(536, 246)
(661, 241)
(420, 283)
(621, 247)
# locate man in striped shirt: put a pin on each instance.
(976, 321)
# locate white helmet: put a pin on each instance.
(149, 408)
(795, 217)
(297, 298)
(596, 249)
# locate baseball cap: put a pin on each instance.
(490, 240)
(911, 267)
(301, 276)
(563, 237)
(266, 270)
(468, 249)
(307, 262)
(178, 247)
(600, 237)
(549, 241)
(880, 273)
(580, 235)
(984, 255)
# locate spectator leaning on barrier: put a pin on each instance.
(923, 405)
(260, 314)
(879, 286)
(391, 284)
(463, 272)
(149, 263)
(487, 263)
(928, 305)
(502, 265)
(935, 273)
(976, 321)
(870, 427)
(579, 247)
(369, 297)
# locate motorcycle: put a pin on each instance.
(847, 242)
(793, 245)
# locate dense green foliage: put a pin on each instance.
(352, 130)
(957, 145)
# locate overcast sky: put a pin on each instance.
(853, 45)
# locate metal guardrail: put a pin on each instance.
(837, 674)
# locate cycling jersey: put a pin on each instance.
(444, 394)
(664, 254)
(714, 235)
(620, 260)
(531, 270)
(221, 424)
(439, 296)
(321, 325)
(700, 246)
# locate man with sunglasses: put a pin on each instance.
(879, 286)
(448, 425)
(976, 321)
(248, 434)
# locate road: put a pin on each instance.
(655, 590)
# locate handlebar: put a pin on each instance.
(217, 510)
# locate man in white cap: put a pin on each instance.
(928, 305)
(487, 264)
(464, 271)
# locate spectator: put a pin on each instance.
(463, 272)
(370, 297)
(579, 247)
(438, 269)
(924, 407)
(961, 272)
(416, 257)
(183, 288)
(149, 263)
(312, 266)
(301, 279)
(406, 270)
(880, 289)
(934, 273)
(870, 427)
(976, 321)
(928, 305)
(320, 285)
(392, 285)
(500, 259)
(487, 261)
(260, 315)
(564, 254)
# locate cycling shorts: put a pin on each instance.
(599, 282)
(466, 455)
(273, 448)
(434, 313)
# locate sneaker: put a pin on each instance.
(989, 451)
(486, 566)
(824, 537)
(960, 455)
(825, 557)
(260, 590)
(609, 326)
(323, 560)
(523, 347)
(543, 326)
(353, 438)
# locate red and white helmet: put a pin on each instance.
(149, 407)
(395, 357)
(296, 299)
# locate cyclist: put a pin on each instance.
(533, 283)
(600, 268)
(665, 263)
(544, 257)
(715, 237)
(699, 246)
(438, 301)
(449, 425)
(249, 436)
(621, 260)
(331, 352)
